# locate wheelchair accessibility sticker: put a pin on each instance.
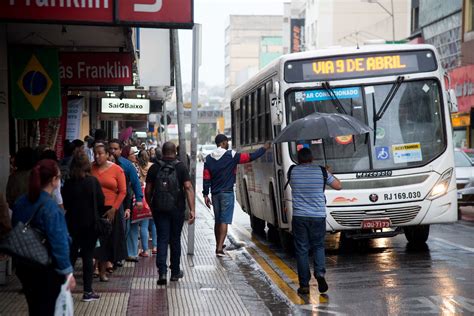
(382, 153)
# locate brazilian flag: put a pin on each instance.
(34, 83)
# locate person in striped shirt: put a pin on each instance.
(308, 181)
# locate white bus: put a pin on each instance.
(398, 179)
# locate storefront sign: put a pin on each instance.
(96, 69)
(462, 81)
(156, 13)
(297, 35)
(34, 83)
(125, 106)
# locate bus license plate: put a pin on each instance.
(376, 223)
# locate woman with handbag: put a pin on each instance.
(83, 199)
(112, 181)
(146, 226)
(42, 284)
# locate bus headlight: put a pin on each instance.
(442, 185)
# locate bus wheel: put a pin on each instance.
(286, 241)
(257, 224)
(272, 233)
(417, 234)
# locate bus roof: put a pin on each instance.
(275, 65)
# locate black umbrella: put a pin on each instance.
(322, 125)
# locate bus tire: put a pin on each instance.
(417, 234)
(272, 234)
(286, 241)
(257, 224)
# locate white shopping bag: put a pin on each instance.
(64, 302)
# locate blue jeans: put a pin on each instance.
(132, 238)
(223, 204)
(144, 233)
(309, 234)
(168, 231)
(152, 228)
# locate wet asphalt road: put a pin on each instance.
(376, 277)
(387, 277)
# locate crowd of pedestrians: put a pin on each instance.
(90, 204)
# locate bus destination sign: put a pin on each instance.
(357, 66)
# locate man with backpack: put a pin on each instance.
(168, 184)
(308, 181)
(219, 177)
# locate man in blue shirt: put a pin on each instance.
(307, 182)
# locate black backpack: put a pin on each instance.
(167, 188)
(323, 170)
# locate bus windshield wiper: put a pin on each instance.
(386, 103)
(334, 98)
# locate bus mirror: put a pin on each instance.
(276, 111)
(452, 101)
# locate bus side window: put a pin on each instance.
(268, 119)
(261, 114)
(242, 121)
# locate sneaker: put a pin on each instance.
(322, 285)
(162, 280)
(176, 277)
(89, 297)
(303, 290)
(220, 253)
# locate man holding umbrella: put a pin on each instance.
(307, 181)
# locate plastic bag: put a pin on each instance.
(64, 302)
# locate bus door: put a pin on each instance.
(276, 121)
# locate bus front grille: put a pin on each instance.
(396, 215)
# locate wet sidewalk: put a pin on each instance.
(211, 285)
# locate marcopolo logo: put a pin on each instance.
(126, 106)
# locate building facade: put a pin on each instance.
(251, 42)
(348, 23)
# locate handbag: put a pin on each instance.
(143, 213)
(103, 227)
(27, 244)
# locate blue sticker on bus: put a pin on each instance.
(382, 153)
(323, 95)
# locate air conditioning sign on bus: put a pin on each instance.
(125, 106)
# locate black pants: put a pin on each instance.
(41, 287)
(85, 243)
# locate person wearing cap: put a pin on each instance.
(219, 178)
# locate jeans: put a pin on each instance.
(132, 239)
(309, 234)
(223, 204)
(144, 233)
(152, 228)
(85, 243)
(168, 231)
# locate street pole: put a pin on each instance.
(165, 115)
(194, 119)
(179, 98)
(393, 22)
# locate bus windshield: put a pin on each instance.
(409, 134)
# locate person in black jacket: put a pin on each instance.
(83, 200)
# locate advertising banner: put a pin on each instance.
(96, 69)
(297, 35)
(462, 81)
(34, 83)
(152, 13)
(74, 118)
